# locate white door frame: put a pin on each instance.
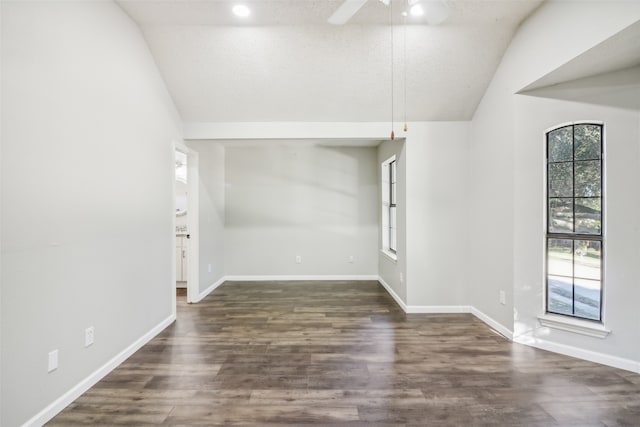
(193, 210)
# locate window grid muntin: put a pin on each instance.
(575, 236)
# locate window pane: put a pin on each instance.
(561, 180)
(587, 260)
(587, 298)
(587, 142)
(588, 216)
(392, 239)
(393, 193)
(561, 145)
(560, 257)
(560, 295)
(560, 215)
(588, 178)
(392, 217)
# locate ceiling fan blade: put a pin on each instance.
(346, 11)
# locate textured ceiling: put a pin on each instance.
(286, 63)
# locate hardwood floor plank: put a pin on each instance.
(126, 414)
(588, 411)
(339, 397)
(427, 416)
(343, 353)
(256, 414)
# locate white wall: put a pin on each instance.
(87, 195)
(437, 210)
(621, 230)
(394, 272)
(211, 191)
(544, 42)
(288, 199)
(506, 234)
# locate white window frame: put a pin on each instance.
(386, 229)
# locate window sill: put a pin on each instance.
(582, 327)
(392, 257)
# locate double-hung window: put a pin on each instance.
(574, 237)
(392, 206)
(389, 207)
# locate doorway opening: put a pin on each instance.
(182, 228)
(186, 225)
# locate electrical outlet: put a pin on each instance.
(53, 361)
(298, 259)
(88, 336)
(503, 298)
(351, 259)
(401, 278)
(209, 268)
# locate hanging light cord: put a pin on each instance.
(391, 21)
(405, 66)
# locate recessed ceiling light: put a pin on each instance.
(241, 10)
(416, 10)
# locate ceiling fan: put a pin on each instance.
(435, 11)
(348, 9)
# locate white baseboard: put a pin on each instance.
(580, 353)
(393, 294)
(295, 277)
(506, 332)
(442, 309)
(210, 289)
(435, 309)
(67, 398)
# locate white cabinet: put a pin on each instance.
(182, 247)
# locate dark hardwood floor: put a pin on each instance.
(343, 353)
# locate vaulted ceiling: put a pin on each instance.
(606, 74)
(286, 63)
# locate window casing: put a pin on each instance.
(392, 207)
(574, 235)
(389, 207)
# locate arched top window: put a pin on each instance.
(574, 243)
